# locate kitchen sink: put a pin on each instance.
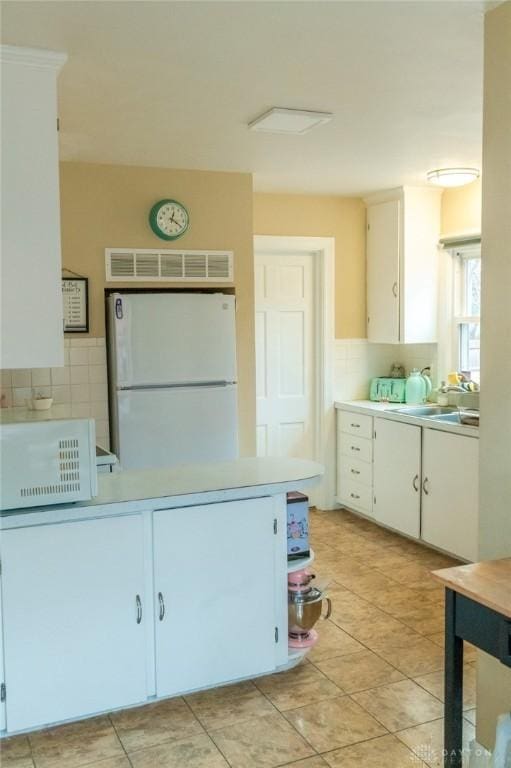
(468, 419)
(445, 414)
(454, 418)
(430, 411)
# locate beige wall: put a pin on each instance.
(325, 216)
(106, 206)
(461, 209)
(494, 680)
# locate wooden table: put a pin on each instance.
(477, 609)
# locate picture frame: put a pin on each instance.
(75, 300)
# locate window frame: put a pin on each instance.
(460, 256)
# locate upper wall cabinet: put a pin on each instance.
(31, 294)
(403, 227)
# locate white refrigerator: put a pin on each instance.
(172, 378)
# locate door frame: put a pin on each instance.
(323, 250)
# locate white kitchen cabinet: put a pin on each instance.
(2, 672)
(215, 594)
(31, 294)
(74, 621)
(403, 227)
(450, 497)
(383, 224)
(397, 476)
(354, 461)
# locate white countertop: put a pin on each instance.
(388, 410)
(135, 490)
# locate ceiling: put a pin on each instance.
(174, 84)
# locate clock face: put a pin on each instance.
(168, 219)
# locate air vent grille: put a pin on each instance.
(169, 266)
(69, 466)
(123, 264)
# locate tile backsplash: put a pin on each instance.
(79, 388)
(356, 362)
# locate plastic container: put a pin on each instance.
(442, 397)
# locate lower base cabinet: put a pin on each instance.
(74, 641)
(423, 482)
(450, 497)
(214, 581)
(88, 605)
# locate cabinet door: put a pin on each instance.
(396, 472)
(31, 288)
(72, 642)
(214, 575)
(2, 674)
(383, 234)
(450, 499)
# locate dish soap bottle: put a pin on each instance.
(415, 389)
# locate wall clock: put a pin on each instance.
(169, 219)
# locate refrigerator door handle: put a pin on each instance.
(187, 385)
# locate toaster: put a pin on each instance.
(389, 389)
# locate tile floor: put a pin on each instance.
(369, 694)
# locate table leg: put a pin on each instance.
(453, 706)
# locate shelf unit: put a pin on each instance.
(303, 562)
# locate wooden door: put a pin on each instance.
(73, 630)
(214, 578)
(383, 244)
(285, 355)
(450, 498)
(397, 473)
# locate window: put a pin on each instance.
(467, 310)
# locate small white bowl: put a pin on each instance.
(41, 403)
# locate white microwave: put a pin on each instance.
(46, 462)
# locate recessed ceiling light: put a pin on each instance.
(298, 121)
(452, 177)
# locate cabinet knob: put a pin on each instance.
(356, 426)
(425, 486)
(415, 483)
(394, 290)
(354, 448)
(354, 495)
(161, 602)
(355, 471)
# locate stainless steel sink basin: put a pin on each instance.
(441, 413)
(429, 411)
(454, 418)
(467, 419)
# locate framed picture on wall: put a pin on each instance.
(75, 297)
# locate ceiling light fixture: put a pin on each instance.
(452, 177)
(297, 121)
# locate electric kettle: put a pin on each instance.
(417, 387)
